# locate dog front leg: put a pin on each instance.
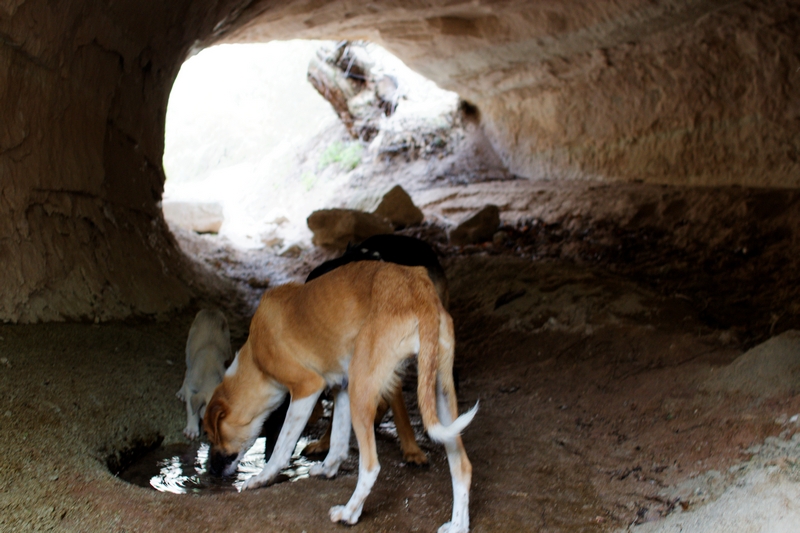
(296, 418)
(192, 429)
(340, 438)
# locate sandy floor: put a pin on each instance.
(594, 416)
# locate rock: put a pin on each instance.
(398, 208)
(336, 228)
(200, 217)
(478, 228)
(770, 369)
(293, 250)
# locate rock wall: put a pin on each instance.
(678, 92)
(84, 88)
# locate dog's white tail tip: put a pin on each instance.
(440, 433)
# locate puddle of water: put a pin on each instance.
(181, 468)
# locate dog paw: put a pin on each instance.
(252, 482)
(340, 513)
(450, 527)
(180, 395)
(191, 433)
(320, 469)
(416, 457)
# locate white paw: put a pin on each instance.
(180, 395)
(252, 482)
(320, 469)
(191, 432)
(450, 527)
(339, 513)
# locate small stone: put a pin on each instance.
(200, 217)
(478, 228)
(336, 228)
(293, 251)
(398, 208)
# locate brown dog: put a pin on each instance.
(403, 250)
(350, 329)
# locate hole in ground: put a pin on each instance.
(120, 460)
(181, 468)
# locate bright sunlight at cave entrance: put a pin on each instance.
(251, 148)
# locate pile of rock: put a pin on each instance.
(334, 229)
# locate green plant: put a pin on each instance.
(347, 155)
(308, 180)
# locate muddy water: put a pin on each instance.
(182, 468)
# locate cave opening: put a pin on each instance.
(252, 147)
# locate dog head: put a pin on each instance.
(233, 423)
(229, 434)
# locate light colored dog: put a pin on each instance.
(208, 348)
(350, 330)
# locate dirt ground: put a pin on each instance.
(592, 376)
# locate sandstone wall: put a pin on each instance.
(680, 92)
(83, 94)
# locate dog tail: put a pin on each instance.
(444, 434)
(435, 387)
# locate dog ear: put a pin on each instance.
(215, 414)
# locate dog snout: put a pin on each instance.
(219, 462)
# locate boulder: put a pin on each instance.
(478, 228)
(398, 208)
(200, 217)
(336, 228)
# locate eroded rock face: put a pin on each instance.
(679, 92)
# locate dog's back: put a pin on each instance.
(209, 331)
(208, 349)
(399, 249)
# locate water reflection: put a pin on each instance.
(182, 468)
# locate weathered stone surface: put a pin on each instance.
(336, 228)
(478, 228)
(683, 92)
(398, 208)
(770, 369)
(200, 217)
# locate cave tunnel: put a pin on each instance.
(629, 329)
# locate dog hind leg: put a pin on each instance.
(460, 466)
(447, 410)
(339, 437)
(296, 418)
(412, 453)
